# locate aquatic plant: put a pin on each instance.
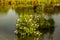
(26, 25)
(31, 24)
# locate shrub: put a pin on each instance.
(31, 24)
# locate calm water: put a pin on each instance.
(8, 25)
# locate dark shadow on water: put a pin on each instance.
(44, 31)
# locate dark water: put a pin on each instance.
(8, 26)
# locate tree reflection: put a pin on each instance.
(48, 9)
(4, 9)
(24, 10)
(57, 9)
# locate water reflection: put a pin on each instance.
(44, 9)
(24, 10)
(46, 35)
(45, 31)
(7, 24)
(57, 9)
(52, 10)
(4, 9)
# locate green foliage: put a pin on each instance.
(30, 24)
(26, 25)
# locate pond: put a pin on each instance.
(8, 25)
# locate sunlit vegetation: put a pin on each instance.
(32, 15)
(28, 25)
(26, 3)
(33, 23)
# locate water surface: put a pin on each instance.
(8, 25)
